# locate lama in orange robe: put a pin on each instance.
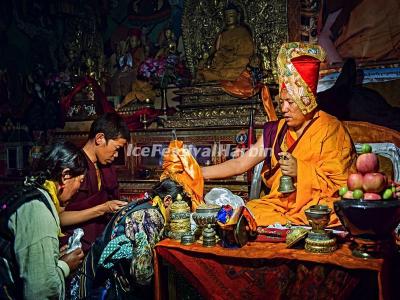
(325, 157)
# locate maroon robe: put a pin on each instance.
(89, 196)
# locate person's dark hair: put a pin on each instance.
(169, 187)
(112, 125)
(57, 157)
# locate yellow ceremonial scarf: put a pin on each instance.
(51, 188)
(158, 202)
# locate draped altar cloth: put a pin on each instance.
(270, 271)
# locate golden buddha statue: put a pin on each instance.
(231, 53)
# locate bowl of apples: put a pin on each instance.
(369, 209)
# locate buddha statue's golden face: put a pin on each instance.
(168, 34)
(231, 17)
(133, 41)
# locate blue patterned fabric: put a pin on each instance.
(116, 249)
(129, 237)
(145, 227)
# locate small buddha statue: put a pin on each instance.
(231, 52)
(136, 48)
(73, 66)
(128, 57)
(125, 61)
(167, 44)
(90, 64)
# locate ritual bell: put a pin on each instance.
(286, 185)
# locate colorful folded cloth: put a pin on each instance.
(225, 214)
(267, 234)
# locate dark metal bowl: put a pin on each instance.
(369, 219)
(187, 239)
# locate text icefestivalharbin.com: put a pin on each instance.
(158, 150)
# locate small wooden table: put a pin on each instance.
(257, 266)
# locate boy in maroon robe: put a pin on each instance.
(96, 198)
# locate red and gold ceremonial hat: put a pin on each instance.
(298, 73)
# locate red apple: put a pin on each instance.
(372, 196)
(367, 163)
(374, 182)
(355, 181)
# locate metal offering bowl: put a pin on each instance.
(371, 224)
(369, 219)
(206, 214)
(318, 217)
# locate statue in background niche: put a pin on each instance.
(125, 62)
(231, 52)
(167, 44)
(202, 21)
(137, 50)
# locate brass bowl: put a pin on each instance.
(318, 216)
(206, 214)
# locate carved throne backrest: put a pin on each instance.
(266, 19)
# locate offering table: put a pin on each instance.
(263, 270)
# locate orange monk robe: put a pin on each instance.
(325, 157)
